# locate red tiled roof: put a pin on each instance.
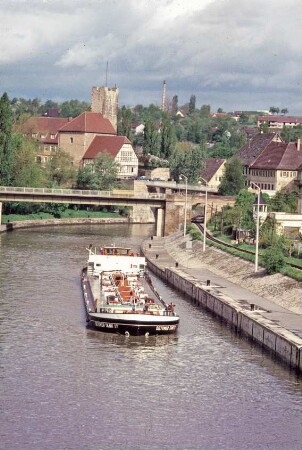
(281, 119)
(45, 125)
(253, 148)
(89, 122)
(109, 144)
(211, 166)
(279, 156)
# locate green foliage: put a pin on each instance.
(195, 235)
(6, 154)
(244, 207)
(168, 139)
(274, 110)
(24, 169)
(151, 138)
(63, 214)
(73, 108)
(264, 128)
(291, 134)
(285, 201)
(192, 104)
(124, 122)
(55, 209)
(100, 175)
(174, 106)
(274, 258)
(188, 160)
(233, 179)
(60, 171)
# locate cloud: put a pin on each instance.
(226, 52)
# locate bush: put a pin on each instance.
(195, 234)
(274, 259)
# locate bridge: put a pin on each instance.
(168, 209)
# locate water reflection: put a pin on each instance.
(66, 386)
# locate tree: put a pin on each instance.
(244, 201)
(192, 104)
(285, 201)
(274, 110)
(174, 104)
(168, 139)
(6, 123)
(233, 179)
(284, 111)
(99, 175)
(274, 258)
(124, 122)
(60, 171)
(24, 169)
(264, 128)
(151, 138)
(205, 110)
(219, 110)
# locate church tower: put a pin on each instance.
(104, 100)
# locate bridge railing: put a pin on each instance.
(85, 193)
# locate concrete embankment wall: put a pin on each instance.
(51, 222)
(281, 342)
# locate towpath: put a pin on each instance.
(276, 297)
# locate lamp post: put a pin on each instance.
(181, 176)
(205, 215)
(257, 225)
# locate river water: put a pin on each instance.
(67, 387)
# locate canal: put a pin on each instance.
(67, 387)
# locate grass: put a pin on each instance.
(286, 270)
(68, 214)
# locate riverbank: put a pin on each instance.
(228, 287)
(56, 222)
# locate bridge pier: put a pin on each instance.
(159, 222)
(175, 213)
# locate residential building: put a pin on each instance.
(137, 128)
(45, 131)
(278, 122)
(91, 134)
(76, 136)
(120, 148)
(213, 171)
(250, 151)
(276, 167)
(270, 162)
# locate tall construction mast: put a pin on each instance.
(163, 104)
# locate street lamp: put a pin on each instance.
(181, 176)
(257, 225)
(205, 215)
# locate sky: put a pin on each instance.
(233, 54)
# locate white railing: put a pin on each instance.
(75, 192)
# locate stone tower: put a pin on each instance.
(104, 100)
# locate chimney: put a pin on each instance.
(163, 105)
(298, 144)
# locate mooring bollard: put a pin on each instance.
(176, 264)
(252, 307)
(208, 282)
(149, 245)
(151, 238)
(156, 256)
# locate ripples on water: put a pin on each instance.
(68, 387)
